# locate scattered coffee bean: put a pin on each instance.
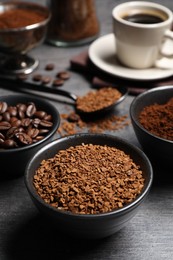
(63, 75)
(50, 66)
(22, 124)
(37, 77)
(46, 80)
(58, 82)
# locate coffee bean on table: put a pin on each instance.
(58, 82)
(46, 79)
(37, 77)
(50, 66)
(63, 75)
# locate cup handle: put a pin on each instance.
(165, 60)
(168, 34)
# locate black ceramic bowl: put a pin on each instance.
(88, 226)
(159, 150)
(14, 160)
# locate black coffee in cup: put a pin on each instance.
(143, 18)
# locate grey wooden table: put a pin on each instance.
(23, 233)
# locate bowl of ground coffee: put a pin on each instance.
(152, 118)
(88, 185)
(26, 124)
(23, 26)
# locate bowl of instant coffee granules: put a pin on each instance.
(152, 118)
(88, 185)
(26, 124)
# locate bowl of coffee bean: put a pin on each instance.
(152, 119)
(88, 185)
(26, 124)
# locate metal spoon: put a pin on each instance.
(14, 84)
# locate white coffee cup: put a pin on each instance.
(139, 44)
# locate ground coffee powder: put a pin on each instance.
(16, 18)
(158, 119)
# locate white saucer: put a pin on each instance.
(102, 53)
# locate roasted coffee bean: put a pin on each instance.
(24, 138)
(11, 132)
(16, 123)
(2, 136)
(13, 118)
(38, 138)
(22, 125)
(33, 132)
(26, 122)
(21, 114)
(40, 114)
(63, 75)
(58, 82)
(37, 77)
(4, 125)
(21, 107)
(50, 66)
(9, 143)
(36, 122)
(6, 116)
(43, 131)
(46, 80)
(31, 109)
(12, 110)
(46, 123)
(48, 117)
(3, 107)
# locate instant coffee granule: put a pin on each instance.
(72, 123)
(158, 119)
(89, 179)
(96, 100)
